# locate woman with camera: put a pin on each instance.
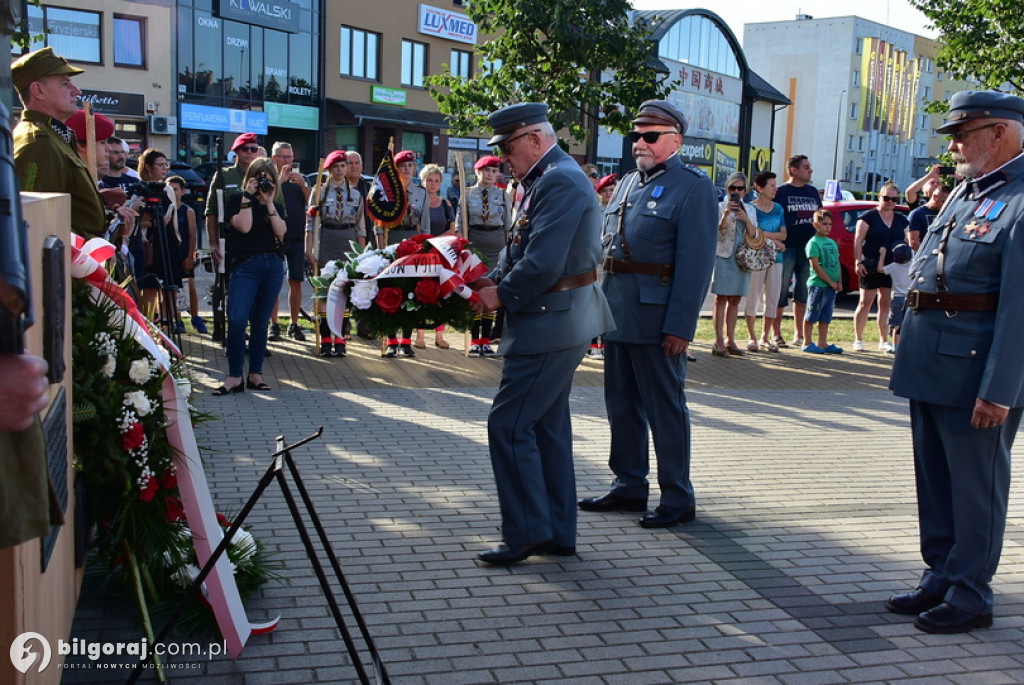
(257, 267)
(737, 220)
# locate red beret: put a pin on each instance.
(489, 160)
(245, 139)
(334, 158)
(405, 156)
(104, 126)
(607, 181)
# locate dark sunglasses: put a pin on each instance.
(650, 137)
(737, 189)
(594, 174)
(890, 198)
(250, 148)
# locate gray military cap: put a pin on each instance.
(981, 104)
(660, 113)
(508, 120)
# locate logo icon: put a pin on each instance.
(24, 658)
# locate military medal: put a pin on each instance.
(656, 193)
(651, 204)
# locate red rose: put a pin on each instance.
(133, 437)
(428, 291)
(406, 248)
(223, 521)
(169, 480)
(389, 300)
(175, 510)
(312, 211)
(421, 238)
(149, 492)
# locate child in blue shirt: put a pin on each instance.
(823, 253)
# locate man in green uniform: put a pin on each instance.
(44, 152)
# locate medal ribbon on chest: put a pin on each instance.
(987, 211)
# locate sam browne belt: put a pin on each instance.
(335, 225)
(573, 282)
(627, 266)
(952, 302)
(480, 227)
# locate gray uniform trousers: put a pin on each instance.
(645, 388)
(530, 435)
(963, 484)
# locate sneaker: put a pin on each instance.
(295, 333)
(179, 326)
(813, 349)
(275, 332)
(892, 351)
(858, 345)
(833, 349)
(200, 325)
(340, 349)
(486, 350)
(325, 348)
(392, 352)
(885, 346)
(474, 350)
(595, 353)
(407, 350)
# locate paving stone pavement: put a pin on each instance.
(806, 522)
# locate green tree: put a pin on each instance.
(554, 52)
(982, 40)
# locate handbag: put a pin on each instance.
(755, 254)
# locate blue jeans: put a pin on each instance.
(252, 293)
(794, 263)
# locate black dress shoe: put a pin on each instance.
(503, 555)
(392, 352)
(666, 517)
(913, 603)
(613, 502)
(407, 351)
(947, 619)
(561, 550)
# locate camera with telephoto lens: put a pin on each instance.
(154, 192)
(264, 183)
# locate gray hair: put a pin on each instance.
(278, 146)
(736, 176)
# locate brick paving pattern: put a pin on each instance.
(806, 522)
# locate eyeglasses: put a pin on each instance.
(890, 198)
(650, 137)
(594, 174)
(506, 144)
(165, 164)
(960, 136)
(250, 148)
(737, 189)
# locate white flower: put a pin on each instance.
(371, 263)
(330, 269)
(109, 367)
(244, 541)
(185, 575)
(139, 371)
(363, 293)
(137, 400)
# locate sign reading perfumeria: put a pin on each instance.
(446, 24)
(279, 14)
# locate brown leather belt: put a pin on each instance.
(573, 282)
(951, 302)
(335, 225)
(623, 266)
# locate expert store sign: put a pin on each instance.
(446, 24)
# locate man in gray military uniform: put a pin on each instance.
(960, 362)
(664, 219)
(547, 280)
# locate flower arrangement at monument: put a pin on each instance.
(420, 282)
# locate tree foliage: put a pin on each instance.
(982, 40)
(554, 52)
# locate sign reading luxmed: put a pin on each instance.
(446, 24)
(273, 14)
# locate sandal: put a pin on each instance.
(225, 390)
(257, 386)
(752, 346)
(717, 352)
(780, 342)
(770, 346)
(421, 344)
(443, 344)
(733, 350)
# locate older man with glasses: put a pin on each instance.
(960, 363)
(662, 219)
(547, 280)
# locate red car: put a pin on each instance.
(844, 226)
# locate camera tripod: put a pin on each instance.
(163, 268)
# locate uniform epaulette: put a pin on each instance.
(692, 170)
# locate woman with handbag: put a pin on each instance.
(737, 222)
(256, 260)
(766, 282)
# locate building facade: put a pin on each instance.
(730, 109)
(858, 89)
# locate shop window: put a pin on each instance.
(73, 34)
(414, 63)
(360, 53)
(129, 41)
(461, 64)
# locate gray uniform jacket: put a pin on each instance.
(556, 232)
(499, 210)
(669, 217)
(952, 360)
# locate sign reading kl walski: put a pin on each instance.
(446, 24)
(273, 14)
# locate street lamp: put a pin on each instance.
(839, 119)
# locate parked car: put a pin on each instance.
(844, 227)
(197, 186)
